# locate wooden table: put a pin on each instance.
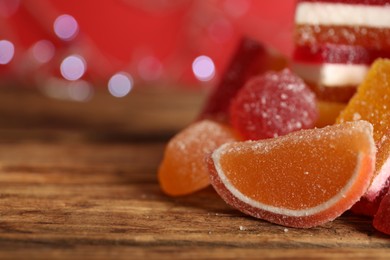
(78, 180)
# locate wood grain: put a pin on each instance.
(66, 193)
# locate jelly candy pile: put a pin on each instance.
(298, 142)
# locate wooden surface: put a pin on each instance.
(78, 180)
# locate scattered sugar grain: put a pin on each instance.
(242, 228)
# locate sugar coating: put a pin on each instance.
(371, 103)
(183, 169)
(273, 104)
(294, 179)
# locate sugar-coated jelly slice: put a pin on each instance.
(250, 58)
(372, 103)
(302, 179)
(273, 104)
(183, 169)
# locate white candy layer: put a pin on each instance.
(321, 13)
(330, 74)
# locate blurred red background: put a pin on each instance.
(149, 41)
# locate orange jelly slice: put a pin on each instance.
(302, 179)
(183, 169)
(372, 103)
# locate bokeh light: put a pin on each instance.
(203, 68)
(150, 68)
(43, 51)
(236, 8)
(7, 51)
(120, 84)
(66, 27)
(8, 7)
(73, 67)
(80, 90)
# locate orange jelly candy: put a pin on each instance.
(302, 179)
(183, 169)
(372, 103)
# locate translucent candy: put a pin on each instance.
(328, 112)
(382, 217)
(302, 179)
(370, 206)
(373, 38)
(372, 103)
(334, 71)
(337, 53)
(362, 23)
(250, 58)
(273, 104)
(183, 169)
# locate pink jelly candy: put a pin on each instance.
(382, 217)
(273, 104)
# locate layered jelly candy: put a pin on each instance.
(336, 41)
(372, 103)
(302, 179)
(364, 23)
(332, 70)
(250, 58)
(273, 104)
(183, 169)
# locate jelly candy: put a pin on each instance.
(302, 179)
(328, 112)
(336, 41)
(352, 22)
(273, 104)
(332, 70)
(250, 58)
(372, 103)
(370, 206)
(183, 169)
(382, 217)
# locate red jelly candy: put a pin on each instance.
(382, 217)
(370, 208)
(250, 58)
(273, 104)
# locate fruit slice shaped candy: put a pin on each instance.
(303, 179)
(372, 103)
(183, 169)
